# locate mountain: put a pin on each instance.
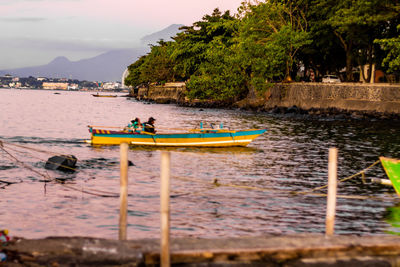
(164, 34)
(108, 66)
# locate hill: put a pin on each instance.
(164, 34)
(108, 66)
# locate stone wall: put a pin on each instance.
(167, 93)
(345, 97)
(381, 98)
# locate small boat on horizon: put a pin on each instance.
(188, 138)
(98, 95)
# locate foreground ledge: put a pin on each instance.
(293, 250)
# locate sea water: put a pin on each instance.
(215, 192)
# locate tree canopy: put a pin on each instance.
(224, 57)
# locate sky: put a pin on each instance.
(34, 32)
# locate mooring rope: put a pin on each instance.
(214, 183)
(48, 178)
(31, 148)
(42, 151)
(362, 172)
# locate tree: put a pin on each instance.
(270, 37)
(220, 76)
(156, 66)
(356, 23)
(392, 46)
(192, 43)
(203, 54)
(134, 76)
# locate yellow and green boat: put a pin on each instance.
(392, 169)
(190, 138)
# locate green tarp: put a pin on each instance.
(392, 169)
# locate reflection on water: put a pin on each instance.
(393, 218)
(292, 156)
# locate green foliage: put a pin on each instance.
(224, 57)
(192, 43)
(219, 77)
(156, 66)
(204, 54)
(355, 24)
(392, 46)
(271, 35)
(134, 77)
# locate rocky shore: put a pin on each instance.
(338, 100)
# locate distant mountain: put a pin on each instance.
(108, 66)
(164, 34)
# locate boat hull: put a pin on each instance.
(218, 138)
(104, 95)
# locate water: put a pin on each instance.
(291, 156)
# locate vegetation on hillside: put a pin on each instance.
(224, 57)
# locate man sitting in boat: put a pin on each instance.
(149, 125)
(133, 126)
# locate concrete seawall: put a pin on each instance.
(343, 97)
(167, 93)
(381, 98)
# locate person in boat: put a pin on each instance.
(134, 125)
(149, 125)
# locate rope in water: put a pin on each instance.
(362, 172)
(48, 178)
(214, 184)
(41, 151)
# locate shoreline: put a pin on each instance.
(336, 101)
(271, 250)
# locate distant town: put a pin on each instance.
(9, 81)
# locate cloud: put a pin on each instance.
(11, 2)
(23, 19)
(36, 30)
(73, 45)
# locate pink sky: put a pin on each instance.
(156, 12)
(39, 30)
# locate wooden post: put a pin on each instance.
(164, 199)
(123, 191)
(331, 198)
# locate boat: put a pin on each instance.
(392, 169)
(188, 138)
(98, 95)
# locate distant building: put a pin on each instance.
(111, 86)
(73, 86)
(55, 86)
(15, 85)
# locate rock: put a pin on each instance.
(292, 109)
(64, 163)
